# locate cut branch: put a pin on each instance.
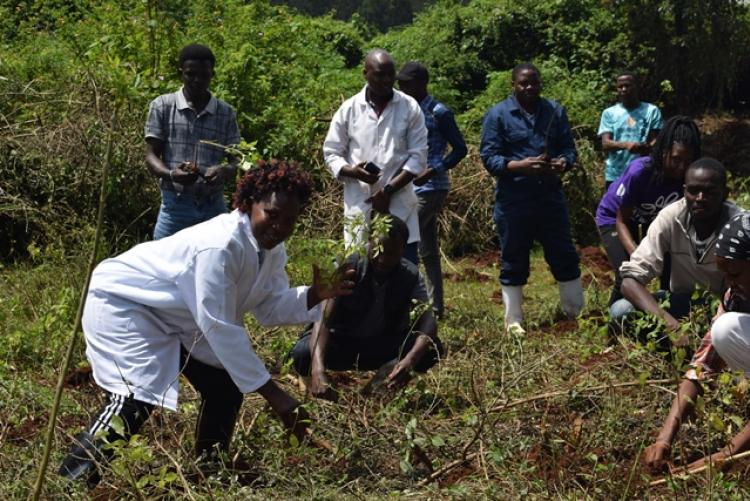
(684, 475)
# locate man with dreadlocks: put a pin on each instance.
(526, 146)
(648, 185)
(687, 230)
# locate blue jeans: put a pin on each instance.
(430, 204)
(621, 315)
(617, 255)
(543, 218)
(179, 211)
(679, 305)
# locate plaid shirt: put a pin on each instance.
(442, 130)
(172, 121)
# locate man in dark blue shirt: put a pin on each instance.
(526, 145)
(433, 184)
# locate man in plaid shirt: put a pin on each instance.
(191, 174)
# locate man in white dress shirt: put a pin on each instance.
(376, 145)
(177, 305)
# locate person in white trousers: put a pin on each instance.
(177, 305)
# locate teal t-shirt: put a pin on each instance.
(627, 125)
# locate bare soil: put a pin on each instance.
(727, 139)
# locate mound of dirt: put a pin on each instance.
(487, 258)
(469, 274)
(79, 377)
(595, 261)
(727, 139)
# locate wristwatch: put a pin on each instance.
(388, 189)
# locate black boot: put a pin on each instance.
(84, 459)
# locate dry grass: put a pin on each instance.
(501, 417)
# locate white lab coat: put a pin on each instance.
(395, 140)
(192, 288)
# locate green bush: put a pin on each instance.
(72, 72)
(94, 74)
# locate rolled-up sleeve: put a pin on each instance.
(416, 141)
(647, 261)
(491, 147)
(656, 121)
(209, 290)
(336, 144)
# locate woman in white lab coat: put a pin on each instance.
(176, 306)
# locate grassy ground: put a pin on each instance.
(502, 417)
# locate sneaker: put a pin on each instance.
(84, 460)
(515, 329)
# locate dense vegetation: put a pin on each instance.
(74, 74)
(375, 14)
(75, 82)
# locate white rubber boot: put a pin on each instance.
(513, 299)
(571, 297)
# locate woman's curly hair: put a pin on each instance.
(272, 177)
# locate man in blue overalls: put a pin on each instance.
(526, 145)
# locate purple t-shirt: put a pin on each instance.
(636, 189)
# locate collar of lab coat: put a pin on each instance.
(247, 230)
(361, 98)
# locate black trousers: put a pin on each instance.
(220, 404)
(349, 352)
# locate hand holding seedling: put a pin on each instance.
(214, 174)
(671, 323)
(296, 420)
(400, 375)
(294, 417)
(320, 387)
(186, 173)
(530, 166)
(341, 285)
(381, 202)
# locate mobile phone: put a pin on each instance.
(372, 168)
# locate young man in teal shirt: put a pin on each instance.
(628, 129)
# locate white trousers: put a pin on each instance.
(131, 350)
(730, 336)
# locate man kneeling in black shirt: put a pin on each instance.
(371, 328)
